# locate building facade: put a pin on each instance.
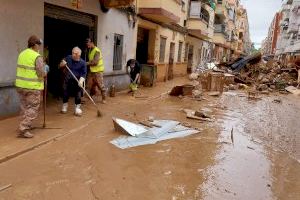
(63, 24)
(176, 36)
(288, 44)
(231, 34)
(270, 42)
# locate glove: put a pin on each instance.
(81, 82)
(63, 63)
(46, 68)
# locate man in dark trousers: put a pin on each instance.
(134, 70)
(70, 85)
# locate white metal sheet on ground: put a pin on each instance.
(130, 141)
(156, 132)
(129, 127)
(168, 130)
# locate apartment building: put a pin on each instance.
(288, 44)
(270, 43)
(231, 34)
(244, 41)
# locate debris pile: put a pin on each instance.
(268, 76)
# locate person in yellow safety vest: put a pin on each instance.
(29, 83)
(96, 65)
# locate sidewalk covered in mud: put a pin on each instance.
(242, 149)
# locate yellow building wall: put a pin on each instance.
(169, 5)
(156, 31)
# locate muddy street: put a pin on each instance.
(250, 151)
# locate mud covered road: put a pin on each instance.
(261, 163)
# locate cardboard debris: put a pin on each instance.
(169, 129)
(183, 90)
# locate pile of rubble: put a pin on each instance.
(270, 75)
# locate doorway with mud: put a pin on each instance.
(64, 29)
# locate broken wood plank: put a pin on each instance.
(191, 116)
(232, 139)
(146, 123)
(5, 187)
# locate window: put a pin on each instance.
(186, 52)
(118, 51)
(162, 49)
(179, 52)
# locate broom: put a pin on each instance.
(99, 114)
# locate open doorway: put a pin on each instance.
(142, 45)
(62, 32)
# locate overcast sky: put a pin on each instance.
(260, 14)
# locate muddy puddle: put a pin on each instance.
(245, 166)
(242, 169)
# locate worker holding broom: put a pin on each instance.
(74, 80)
(29, 83)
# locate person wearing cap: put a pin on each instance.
(96, 65)
(70, 85)
(30, 75)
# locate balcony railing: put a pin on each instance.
(220, 28)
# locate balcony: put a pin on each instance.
(220, 36)
(293, 28)
(221, 11)
(220, 28)
(198, 26)
(286, 7)
(199, 20)
(116, 3)
(166, 11)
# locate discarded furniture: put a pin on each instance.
(148, 75)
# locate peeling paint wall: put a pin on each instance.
(9, 101)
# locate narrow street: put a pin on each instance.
(262, 162)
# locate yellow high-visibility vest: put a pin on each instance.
(27, 77)
(100, 66)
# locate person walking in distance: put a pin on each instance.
(96, 65)
(70, 85)
(30, 83)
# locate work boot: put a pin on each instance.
(26, 134)
(64, 108)
(78, 111)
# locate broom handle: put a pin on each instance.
(82, 87)
(45, 100)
